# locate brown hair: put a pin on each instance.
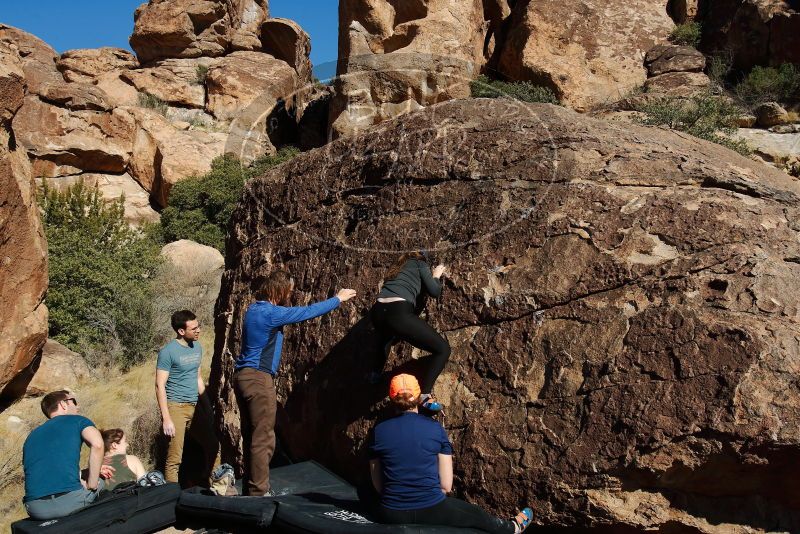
(51, 400)
(276, 287)
(111, 436)
(405, 401)
(180, 318)
(397, 266)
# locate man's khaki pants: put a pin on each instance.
(199, 426)
(255, 394)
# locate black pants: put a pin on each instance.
(450, 512)
(397, 320)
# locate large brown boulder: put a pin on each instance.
(194, 28)
(752, 32)
(58, 368)
(88, 64)
(23, 250)
(590, 52)
(621, 302)
(395, 57)
(242, 79)
(673, 58)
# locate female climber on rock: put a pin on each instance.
(411, 467)
(395, 316)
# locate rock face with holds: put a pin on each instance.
(23, 250)
(621, 302)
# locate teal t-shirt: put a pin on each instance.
(182, 363)
(51, 456)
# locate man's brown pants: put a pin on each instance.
(196, 423)
(255, 394)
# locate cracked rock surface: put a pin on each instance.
(621, 302)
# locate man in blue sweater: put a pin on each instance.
(257, 365)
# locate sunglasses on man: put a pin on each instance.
(73, 399)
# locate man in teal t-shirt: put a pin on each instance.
(179, 387)
(51, 456)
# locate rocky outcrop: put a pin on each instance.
(284, 39)
(61, 142)
(395, 57)
(23, 250)
(58, 368)
(178, 82)
(589, 52)
(101, 116)
(37, 59)
(752, 32)
(162, 155)
(196, 28)
(621, 302)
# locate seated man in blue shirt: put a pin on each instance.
(262, 340)
(51, 456)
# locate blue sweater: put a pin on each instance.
(262, 331)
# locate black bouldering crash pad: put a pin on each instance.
(307, 499)
(135, 510)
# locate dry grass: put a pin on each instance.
(109, 400)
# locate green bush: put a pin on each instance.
(200, 208)
(719, 68)
(524, 91)
(705, 116)
(100, 295)
(687, 33)
(769, 84)
(202, 73)
(146, 100)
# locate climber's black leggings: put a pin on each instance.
(397, 320)
(450, 512)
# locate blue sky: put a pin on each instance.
(66, 24)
